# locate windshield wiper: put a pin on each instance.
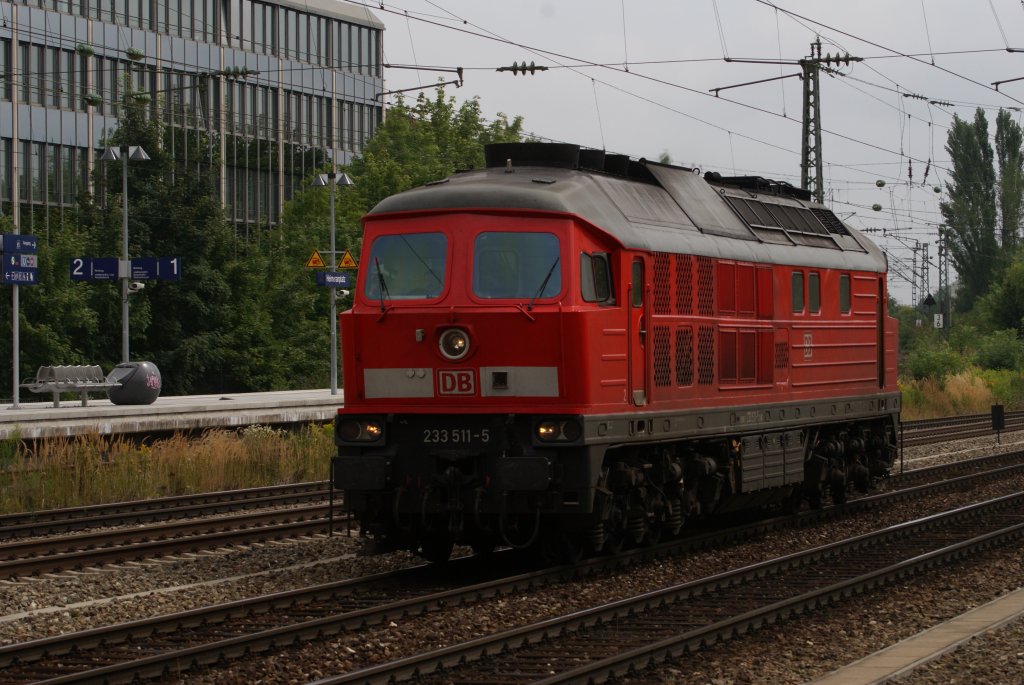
(543, 284)
(383, 286)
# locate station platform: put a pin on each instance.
(34, 420)
(892, 662)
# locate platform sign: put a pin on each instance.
(15, 275)
(333, 279)
(156, 269)
(94, 269)
(18, 242)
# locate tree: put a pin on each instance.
(970, 210)
(1009, 139)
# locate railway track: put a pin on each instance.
(645, 630)
(930, 431)
(175, 643)
(88, 550)
(54, 521)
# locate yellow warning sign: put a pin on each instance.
(315, 261)
(347, 262)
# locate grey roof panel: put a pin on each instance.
(639, 215)
(698, 200)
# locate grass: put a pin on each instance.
(93, 470)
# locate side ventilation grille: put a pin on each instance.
(662, 281)
(705, 287)
(706, 355)
(684, 356)
(662, 363)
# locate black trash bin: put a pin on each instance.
(140, 383)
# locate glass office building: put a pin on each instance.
(279, 87)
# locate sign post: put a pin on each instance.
(20, 267)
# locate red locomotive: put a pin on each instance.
(572, 350)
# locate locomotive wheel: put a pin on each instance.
(794, 502)
(837, 487)
(437, 549)
(614, 542)
(861, 478)
(814, 494)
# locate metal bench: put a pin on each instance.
(82, 379)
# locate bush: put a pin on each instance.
(934, 360)
(999, 350)
(1006, 386)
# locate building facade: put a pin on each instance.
(278, 87)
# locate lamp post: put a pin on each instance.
(113, 154)
(333, 179)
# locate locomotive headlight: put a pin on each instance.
(454, 343)
(359, 430)
(559, 430)
(547, 431)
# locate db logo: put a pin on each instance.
(458, 382)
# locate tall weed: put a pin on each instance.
(93, 469)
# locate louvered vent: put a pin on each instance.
(781, 355)
(705, 287)
(662, 283)
(830, 220)
(684, 355)
(706, 355)
(662, 361)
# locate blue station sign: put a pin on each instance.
(333, 279)
(20, 262)
(14, 275)
(18, 242)
(94, 269)
(156, 269)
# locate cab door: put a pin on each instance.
(638, 332)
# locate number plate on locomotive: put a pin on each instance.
(456, 437)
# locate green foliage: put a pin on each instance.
(970, 210)
(999, 351)
(1007, 386)
(1003, 306)
(934, 360)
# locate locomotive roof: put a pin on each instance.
(650, 206)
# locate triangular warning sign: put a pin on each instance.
(347, 262)
(315, 261)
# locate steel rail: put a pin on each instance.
(51, 521)
(47, 555)
(279, 606)
(623, 636)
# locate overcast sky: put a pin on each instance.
(661, 57)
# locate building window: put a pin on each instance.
(5, 169)
(5, 69)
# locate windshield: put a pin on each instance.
(407, 266)
(516, 265)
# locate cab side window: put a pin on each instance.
(595, 277)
